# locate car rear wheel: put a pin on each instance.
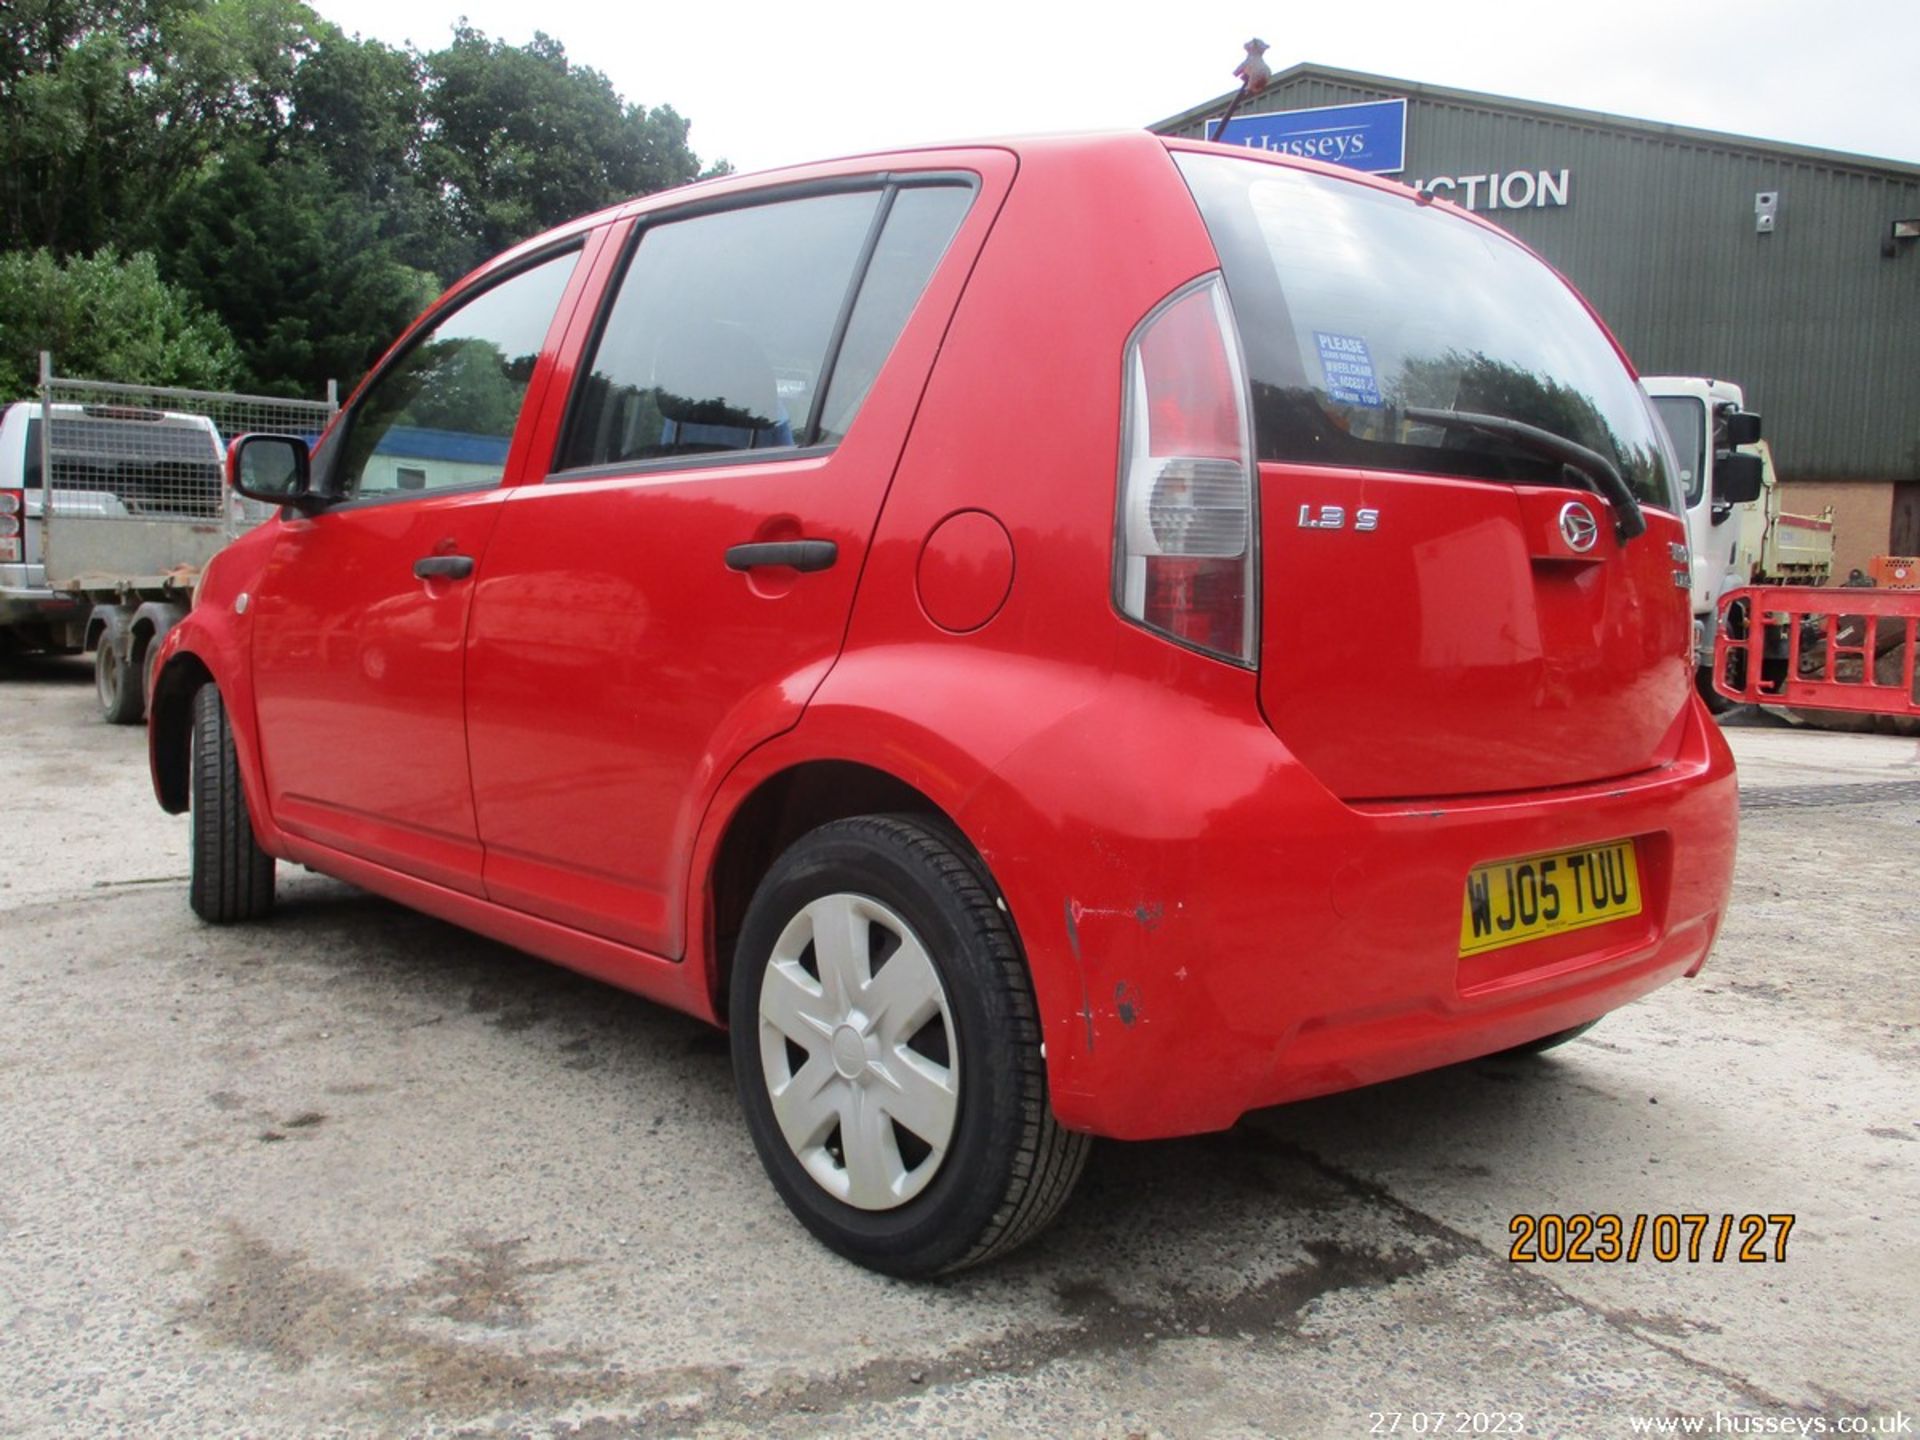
(887, 1051)
(230, 876)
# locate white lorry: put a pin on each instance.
(1736, 529)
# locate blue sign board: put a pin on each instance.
(1371, 137)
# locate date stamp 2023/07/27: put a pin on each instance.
(1667, 1239)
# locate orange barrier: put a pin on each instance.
(1895, 572)
(1820, 649)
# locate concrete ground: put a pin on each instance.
(355, 1172)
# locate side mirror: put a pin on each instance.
(1737, 479)
(1743, 428)
(275, 469)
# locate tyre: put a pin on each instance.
(117, 684)
(886, 1046)
(1545, 1042)
(230, 877)
(149, 670)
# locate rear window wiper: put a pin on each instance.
(1602, 472)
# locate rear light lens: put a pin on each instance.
(13, 522)
(1185, 538)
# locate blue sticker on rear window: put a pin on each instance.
(1349, 369)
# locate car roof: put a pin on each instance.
(909, 157)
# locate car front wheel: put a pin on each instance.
(230, 877)
(887, 1051)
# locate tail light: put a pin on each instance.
(13, 524)
(1184, 543)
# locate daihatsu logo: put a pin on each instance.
(1578, 527)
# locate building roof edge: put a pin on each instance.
(1598, 119)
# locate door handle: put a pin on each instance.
(798, 554)
(443, 567)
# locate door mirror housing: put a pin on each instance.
(1742, 428)
(1737, 479)
(275, 469)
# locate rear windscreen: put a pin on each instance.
(1355, 305)
(154, 467)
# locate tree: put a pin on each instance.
(357, 110)
(313, 190)
(298, 267)
(107, 105)
(106, 316)
(319, 238)
(67, 115)
(520, 139)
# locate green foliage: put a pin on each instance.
(462, 383)
(1473, 381)
(313, 190)
(106, 315)
(521, 139)
(299, 267)
(106, 105)
(357, 111)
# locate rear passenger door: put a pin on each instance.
(679, 585)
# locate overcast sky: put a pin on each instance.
(769, 84)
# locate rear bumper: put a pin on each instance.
(1264, 942)
(25, 598)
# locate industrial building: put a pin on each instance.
(1792, 271)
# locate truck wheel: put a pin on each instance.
(117, 683)
(886, 1046)
(230, 877)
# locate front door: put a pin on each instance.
(361, 614)
(640, 625)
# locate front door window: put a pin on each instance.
(442, 416)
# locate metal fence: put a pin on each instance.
(133, 476)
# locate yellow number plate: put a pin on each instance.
(1516, 900)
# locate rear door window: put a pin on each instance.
(1357, 306)
(920, 225)
(758, 329)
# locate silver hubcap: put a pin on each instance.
(858, 1049)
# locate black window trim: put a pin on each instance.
(837, 336)
(323, 475)
(888, 183)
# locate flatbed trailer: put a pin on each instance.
(122, 503)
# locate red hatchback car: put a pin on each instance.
(1066, 638)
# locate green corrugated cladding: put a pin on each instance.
(1821, 329)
